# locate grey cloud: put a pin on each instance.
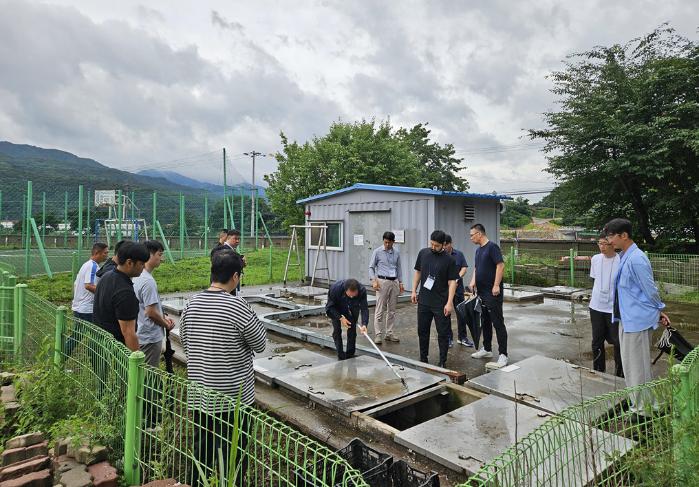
(219, 21)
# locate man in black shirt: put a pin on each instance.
(346, 300)
(110, 264)
(487, 283)
(116, 305)
(437, 274)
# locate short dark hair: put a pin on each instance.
(134, 251)
(153, 246)
(118, 245)
(447, 239)
(390, 236)
(223, 230)
(232, 232)
(98, 247)
(602, 236)
(478, 227)
(618, 226)
(438, 236)
(351, 285)
(224, 265)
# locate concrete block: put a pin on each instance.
(64, 463)
(103, 475)
(13, 455)
(8, 394)
(25, 440)
(77, 477)
(40, 449)
(6, 378)
(42, 478)
(88, 455)
(22, 468)
(61, 447)
(10, 410)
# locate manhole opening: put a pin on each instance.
(444, 401)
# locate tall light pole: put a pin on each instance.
(253, 216)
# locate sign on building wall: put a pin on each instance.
(358, 239)
(400, 235)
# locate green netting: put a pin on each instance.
(172, 432)
(646, 435)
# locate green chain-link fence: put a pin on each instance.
(162, 428)
(550, 267)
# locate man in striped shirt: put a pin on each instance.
(220, 333)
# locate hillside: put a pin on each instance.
(182, 180)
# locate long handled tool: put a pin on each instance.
(387, 362)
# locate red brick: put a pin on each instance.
(24, 440)
(103, 475)
(40, 449)
(13, 455)
(42, 478)
(22, 468)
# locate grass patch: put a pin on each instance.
(184, 275)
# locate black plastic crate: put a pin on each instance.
(403, 475)
(374, 466)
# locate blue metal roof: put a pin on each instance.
(403, 189)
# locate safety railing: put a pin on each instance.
(167, 426)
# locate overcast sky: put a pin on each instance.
(166, 84)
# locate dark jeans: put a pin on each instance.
(351, 338)
(77, 334)
(215, 431)
(491, 317)
(425, 315)
(460, 321)
(603, 329)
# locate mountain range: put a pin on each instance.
(181, 180)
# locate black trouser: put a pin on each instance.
(77, 334)
(460, 320)
(215, 431)
(491, 317)
(603, 329)
(351, 337)
(425, 314)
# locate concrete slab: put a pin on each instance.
(547, 384)
(519, 296)
(468, 437)
(306, 291)
(174, 304)
(356, 384)
(560, 291)
(465, 439)
(269, 368)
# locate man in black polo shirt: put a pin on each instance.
(116, 305)
(436, 272)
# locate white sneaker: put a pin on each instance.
(482, 353)
(502, 361)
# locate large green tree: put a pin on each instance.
(625, 141)
(362, 152)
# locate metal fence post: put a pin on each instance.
(512, 264)
(81, 189)
(19, 316)
(134, 406)
(120, 214)
(60, 330)
(206, 225)
(27, 230)
(181, 226)
(572, 267)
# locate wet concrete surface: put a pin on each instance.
(558, 329)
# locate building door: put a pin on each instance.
(366, 232)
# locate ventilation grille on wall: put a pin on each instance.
(469, 213)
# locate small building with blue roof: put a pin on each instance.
(357, 216)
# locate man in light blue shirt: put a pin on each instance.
(637, 305)
(386, 277)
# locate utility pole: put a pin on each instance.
(253, 219)
(225, 184)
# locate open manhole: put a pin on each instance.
(432, 403)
